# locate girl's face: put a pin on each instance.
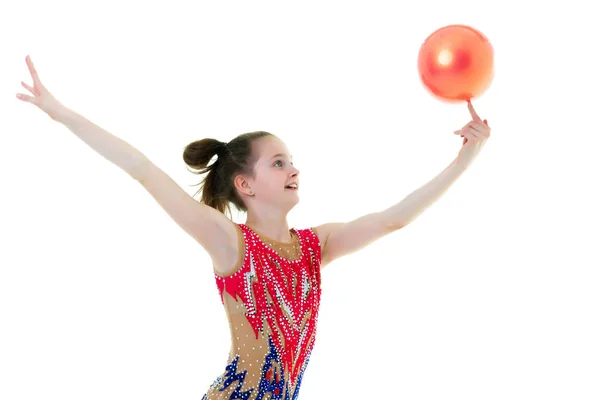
(274, 172)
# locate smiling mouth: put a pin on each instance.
(292, 187)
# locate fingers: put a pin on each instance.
(473, 113)
(478, 126)
(37, 88)
(476, 116)
(33, 72)
(470, 131)
(468, 136)
(475, 133)
(32, 90)
(24, 97)
(478, 133)
(481, 128)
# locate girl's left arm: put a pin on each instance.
(340, 239)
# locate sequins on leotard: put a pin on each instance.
(272, 304)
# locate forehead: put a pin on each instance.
(268, 147)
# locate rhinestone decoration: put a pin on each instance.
(272, 304)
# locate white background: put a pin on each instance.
(493, 293)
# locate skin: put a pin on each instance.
(267, 200)
(270, 201)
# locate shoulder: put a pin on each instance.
(322, 232)
(307, 232)
(232, 259)
(314, 235)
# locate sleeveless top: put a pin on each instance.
(272, 304)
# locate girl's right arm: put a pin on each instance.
(211, 229)
(217, 234)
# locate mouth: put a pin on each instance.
(293, 186)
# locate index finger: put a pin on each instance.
(32, 71)
(473, 113)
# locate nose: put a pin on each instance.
(295, 171)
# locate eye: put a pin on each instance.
(278, 162)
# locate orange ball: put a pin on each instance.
(456, 63)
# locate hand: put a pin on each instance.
(475, 134)
(42, 99)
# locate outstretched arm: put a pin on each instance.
(340, 239)
(107, 145)
(211, 229)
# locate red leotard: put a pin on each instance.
(272, 303)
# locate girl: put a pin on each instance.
(268, 274)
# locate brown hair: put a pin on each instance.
(233, 158)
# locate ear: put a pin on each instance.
(242, 184)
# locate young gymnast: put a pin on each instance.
(268, 274)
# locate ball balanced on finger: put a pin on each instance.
(456, 63)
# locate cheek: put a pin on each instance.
(274, 186)
(267, 183)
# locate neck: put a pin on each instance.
(272, 224)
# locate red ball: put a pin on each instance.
(456, 63)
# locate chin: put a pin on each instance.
(289, 205)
